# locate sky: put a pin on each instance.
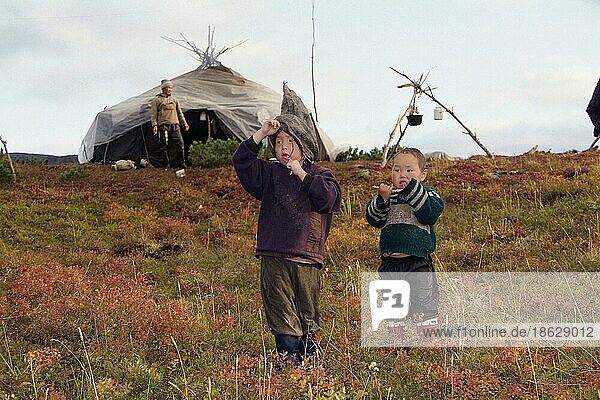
(518, 73)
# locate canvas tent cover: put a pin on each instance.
(239, 104)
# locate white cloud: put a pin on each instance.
(566, 86)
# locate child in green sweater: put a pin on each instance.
(406, 213)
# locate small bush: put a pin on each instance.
(74, 173)
(32, 161)
(265, 153)
(6, 176)
(213, 153)
(353, 154)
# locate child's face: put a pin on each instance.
(286, 148)
(406, 167)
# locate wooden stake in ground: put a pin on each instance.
(12, 167)
(428, 91)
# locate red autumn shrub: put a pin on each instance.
(167, 229)
(61, 299)
(52, 296)
(125, 308)
(145, 223)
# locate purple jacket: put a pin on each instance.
(295, 216)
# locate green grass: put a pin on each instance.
(141, 285)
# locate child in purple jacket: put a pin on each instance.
(298, 199)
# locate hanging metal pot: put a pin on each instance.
(414, 119)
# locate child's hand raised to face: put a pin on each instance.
(270, 127)
(296, 169)
(385, 191)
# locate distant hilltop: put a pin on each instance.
(44, 158)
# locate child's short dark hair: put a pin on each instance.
(415, 152)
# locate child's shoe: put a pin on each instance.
(397, 334)
(426, 332)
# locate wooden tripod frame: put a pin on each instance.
(418, 88)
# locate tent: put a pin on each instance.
(217, 102)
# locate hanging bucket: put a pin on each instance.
(414, 119)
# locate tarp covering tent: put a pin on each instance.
(217, 102)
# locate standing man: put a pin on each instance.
(166, 117)
(593, 109)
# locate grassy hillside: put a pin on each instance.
(141, 285)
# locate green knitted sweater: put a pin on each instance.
(406, 219)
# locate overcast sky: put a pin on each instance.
(519, 73)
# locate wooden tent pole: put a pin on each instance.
(12, 167)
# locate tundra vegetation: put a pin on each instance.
(141, 285)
